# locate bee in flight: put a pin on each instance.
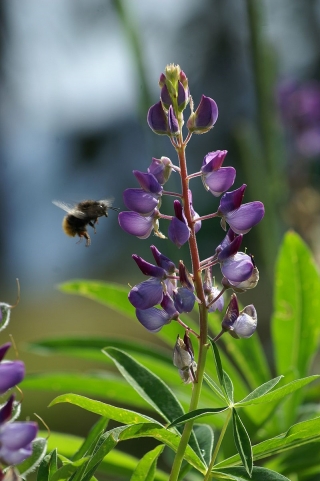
(82, 214)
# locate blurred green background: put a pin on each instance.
(77, 79)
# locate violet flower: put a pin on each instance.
(241, 218)
(15, 437)
(157, 119)
(178, 231)
(204, 118)
(215, 178)
(239, 324)
(11, 372)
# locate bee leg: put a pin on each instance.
(86, 236)
(93, 226)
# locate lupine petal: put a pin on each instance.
(148, 182)
(15, 457)
(173, 122)
(11, 373)
(146, 294)
(4, 348)
(218, 304)
(237, 268)
(184, 299)
(162, 260)
(165, 97)
(153, 318)
(161, 169)
(149, 269)
(204, 118)
(157, 119)
(220, 180)
(231, 200)
(140, 201)
(213, 161)
(229, 250)
(18, 434)
(246, 324)
(135, 224)
(244, 218)
(6, 410)
(178, 232)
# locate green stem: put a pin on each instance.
(203, 315)
(216, 449)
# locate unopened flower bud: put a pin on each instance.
(183, 360)
(204, 118)
(239, 324)
(157, 119)
(185, 277)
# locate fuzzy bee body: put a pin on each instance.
(81, 215)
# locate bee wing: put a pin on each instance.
(69, 208)
(107, 202)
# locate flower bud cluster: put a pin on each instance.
(238, 269)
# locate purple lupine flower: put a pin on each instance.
(241, 218)
(149, 269)
(148, 182)
(215, 178)
(140, 201)
(146, 294)
(165, 97)
(239, 324)
(15, 437)
(161, 169)
(153, 319)
(162, 260)
(173, 122)
(204, 118)
(178, 231)
(185, 277)
(183, 299)
(157, 119)
(136, 224)
(11, 372)
(237, 268)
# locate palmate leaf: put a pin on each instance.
(298, 435)
(240, 474)
(205, 437)
(196, 414)
(151, 388)
(146, 467)
(279, 393)
(242, 442)
(261, 390)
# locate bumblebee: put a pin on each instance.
(80, 215)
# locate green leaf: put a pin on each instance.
(228, 386)
(116, 463)
(39, 449)
(242, 442)
(218, 363)
(298, 435)
(295, 325)
(146, 467)
(261, 390)
(102, 447)
(214, 387)
(114, 296)
(95, 432)
(161, 434)
(94, 384)
(205, 438)
(48, 466)
(240, 474)
(150, 387)
(196, 414)
(67, 470)
(121, 415)
(279, 393)
(91, 347)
